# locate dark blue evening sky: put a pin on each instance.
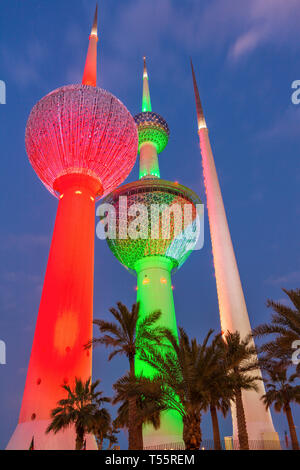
(246, 55)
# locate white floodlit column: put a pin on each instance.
(232, 305)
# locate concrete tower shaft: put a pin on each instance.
(232, 305)
(82, 143)
(155, 292)
(64, 322)
(161, 248)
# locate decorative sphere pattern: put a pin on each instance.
(81, 129)
(147, 192)
(152, 128)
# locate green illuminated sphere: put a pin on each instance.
(160, 232)
(152, 128)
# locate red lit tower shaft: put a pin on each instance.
(64, 323)
(65, 315)
(82, 142)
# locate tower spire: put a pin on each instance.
(153, 134)
(146, 102)
(232, 305)
(95, 26)
(90, 69)
(199, 109)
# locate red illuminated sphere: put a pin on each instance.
(81, 129)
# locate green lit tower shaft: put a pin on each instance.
(154, 284)
(165, 242)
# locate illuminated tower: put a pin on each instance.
(163, 244)
(82, 143)
(232, 306)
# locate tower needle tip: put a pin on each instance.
(199, 109)
(95, 22)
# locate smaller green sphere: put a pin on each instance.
(152, 128)
(160, 236)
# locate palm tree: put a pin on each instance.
(285, 325)
(240, 364)
(128, 336)
(184, 371)
(111, 436)
(78, 409)
(151, 400)
(219, 390)
(104, 430)
(217, 403)
(101, 426)
(281, 392)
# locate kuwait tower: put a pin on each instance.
(82, 143)
(157, 224)
(232, 305)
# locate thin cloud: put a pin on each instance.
(23, 241)
(289, 278)
(257, 195)
(246, 43)
(163, 29)
(240, 27)
(265, 22)
(18, 289)
(25, 67)
(284, 126)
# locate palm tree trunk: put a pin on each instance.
(140, 436)
(293, 434)
(133, 441)
(192, 431)
(132, 431)
(79, 438)
(241, 421)
(100, 445)
(215, 426)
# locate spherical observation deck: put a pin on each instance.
(162, 232)
(152, 128)
(83, 130)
